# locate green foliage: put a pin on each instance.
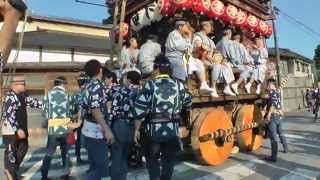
(317, 55)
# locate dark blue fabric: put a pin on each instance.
(98, 158)
(166, 151)
(275, 99)
(123, 133)
(122, 98)
(275, 129)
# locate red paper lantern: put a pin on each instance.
(262, 28)
(216, 9)
(252, 22)
(270, 30)
(182, 4)
(166, 8)
(241, 18)
(201, 6)
(124, 29)
(230, 13)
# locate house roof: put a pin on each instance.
(46, 65)
(65, 40)
(71, 21)
(289, 54)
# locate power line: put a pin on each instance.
(90, 3)
(302, 29)
(300, 23)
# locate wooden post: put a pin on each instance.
(275, 36)
(113, 39)
(122, 15)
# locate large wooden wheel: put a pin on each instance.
(251, 139)
(213, 152)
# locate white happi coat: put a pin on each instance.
(148, 52)
(176, 45)
(260, 57)
(223, 70)
(245, 60)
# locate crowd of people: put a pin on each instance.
(107, 117)
(111, 111)
(312, 99)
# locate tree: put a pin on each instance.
(316, 57)
(316, 65)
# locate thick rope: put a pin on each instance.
(12, 70)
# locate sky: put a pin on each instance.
(290, 34)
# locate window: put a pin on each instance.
(298, 66)
(307, 68)
(290, 67)
(303, 67)
(284, 67)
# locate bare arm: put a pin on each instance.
(137, 125)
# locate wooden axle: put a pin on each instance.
(215, 132)
(221, 133)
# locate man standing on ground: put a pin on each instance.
(274, 116)
(160, 103)
(122, 122)
(96, 133)
(57, 105)
(316, 96)
(14, 122)
(308, 98)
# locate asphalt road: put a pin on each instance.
(302, 162)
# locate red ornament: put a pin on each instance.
(270, 30)
(182, 4)
(251, 34)
(230, 13)
(166, 8)
(124, 29)
(241, 18)
(201, 6)
(216, 9)
(252, 22)
(262, 28)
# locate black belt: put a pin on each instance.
(163, 117)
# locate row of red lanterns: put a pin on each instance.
(218, 10)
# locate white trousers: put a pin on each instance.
(224, 71)
(259, 72)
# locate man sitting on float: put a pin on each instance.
(244, 59)
(260, 57)
(220, 68)
(178, 45)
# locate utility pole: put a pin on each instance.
(274, 12)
